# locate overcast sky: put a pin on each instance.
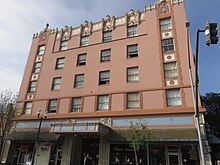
(19, 19)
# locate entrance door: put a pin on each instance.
(90, 151)
(55, 154)
(173, 159)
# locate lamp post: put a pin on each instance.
(38, 132)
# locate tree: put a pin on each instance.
(140, 136)
(8, 112)
(211, 101)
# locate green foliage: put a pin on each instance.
(8, 112)
(140, 136)
(211, 101)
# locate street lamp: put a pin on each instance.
(38, 132)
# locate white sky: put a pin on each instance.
(19, 19)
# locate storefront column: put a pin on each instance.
(42, 153)
(67, 150)
(5, 150)
(76, 150)
(104, 150)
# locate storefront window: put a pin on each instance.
(190, 155)
(123, 154)
(23, 154)
(157, 155)
(55, 154)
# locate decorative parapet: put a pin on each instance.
(107, 23)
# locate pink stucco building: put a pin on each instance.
(95, 79)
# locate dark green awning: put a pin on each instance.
(160, 135)
(32, 135)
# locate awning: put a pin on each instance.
(80, 128)
(32, 135)
(168, 135)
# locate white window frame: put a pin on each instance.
(166, 23)
(132, 51)
(84, 40)
(27, 108)
(170, 70)
(76, 104)
(81, 59)
(173, 97)
(79, 81)
(104, 77)
(107, 36)
(103, 102)
(64, 45)
(168, 45)
(133, 74)
(56, 83)
(52, 106)
(133, 100)
(41, 50)
(132, 31)
(32, 86)
(105, 55)
(37, 67)
(60, 63)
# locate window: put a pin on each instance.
(132, 51)
(36, 68)
(40, 50)
(76, 104)
(132, 74)
(170, 70)
(32, 86)
(106, 55)
(56, 83)
(133, 100)
(132, 31)
(103, 102)
(84, 41)
(52, 107)
(104, 77)
(167, 45)
(81, 59)
(165, 24)
(79, 79)
(64, 45)
(27, 108)
(107, 36)
(60, 63)
(173, 97)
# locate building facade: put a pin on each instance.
(95, 79)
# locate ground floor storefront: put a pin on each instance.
(95, 149)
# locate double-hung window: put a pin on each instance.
(103, 102)
(173, 97)
(132, 31)
(32, 86)
(81, 59)
(165, 24)
(168, 45)
(106, 55)
(36, 68)
(64, 45)
(133, 100)
(79, 79)
(52, 106)
(84, 40)
(41, 50)
(27, 108)
(60, 63)
(76, 104)
(132, 74)
(104, 77)
(107, 36)
(56, 83)
(170, 70)
(132, 51)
